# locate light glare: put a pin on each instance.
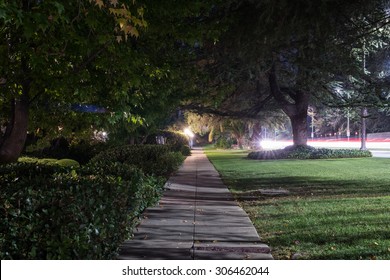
(272, 144)
(188, 132)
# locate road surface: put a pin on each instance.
(378, 147)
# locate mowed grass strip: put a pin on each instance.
(326, 209)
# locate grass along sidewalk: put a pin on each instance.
(321, 209)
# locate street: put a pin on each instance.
(378, 147)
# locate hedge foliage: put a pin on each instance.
(177, 140)
(55, 209)
(157, 160)
(307, 152)
(60, 148)
(50, 161)
(54, 212)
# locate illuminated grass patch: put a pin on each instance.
(333, 209)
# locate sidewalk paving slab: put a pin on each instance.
(197, 218)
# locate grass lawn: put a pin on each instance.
(330, 209)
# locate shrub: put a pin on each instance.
(84, 151)
(52, 212)
(50, 161)
(68, 162)
(185, 150)
(307, 152)
(223, 143)
(156, 160)
(177, 140)
(81, 151)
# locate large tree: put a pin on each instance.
(295, 50)
(56, 52)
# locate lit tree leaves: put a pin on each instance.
(129, 17)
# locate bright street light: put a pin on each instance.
(189, 133)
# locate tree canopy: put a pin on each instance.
(107, 53)
(140, 60)
(293, 53)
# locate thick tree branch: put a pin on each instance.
(249, 113)
(286, 106)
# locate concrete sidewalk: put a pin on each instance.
(196, 218)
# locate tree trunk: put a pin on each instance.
(132, 140)
(14, 140)
(363, 133)
(299, 127)
(239, 143)
(295, 104)
(255, 138)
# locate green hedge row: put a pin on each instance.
(54, 209)
(159, 160)
(60, 148)
(177, 140)
(307, 152)
(50, 161)
(53, 212)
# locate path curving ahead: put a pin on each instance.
(197, 218)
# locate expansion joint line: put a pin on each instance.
(195, 209)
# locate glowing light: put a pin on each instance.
(332, 144)
(271, 144)
(189, 133)
(100, 135)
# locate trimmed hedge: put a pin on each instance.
(50, 161)
(54, 212)
(177, 140)
(82, 152)
(54, 209)
(307, 152)
(156, 160)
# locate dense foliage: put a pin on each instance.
(50, 161)
(290, 54)
(55, 209)
(51, 212)
(157, 160)
(307, 152)
(60, 148)
(223, 143)
(57, 54)
(177, 140)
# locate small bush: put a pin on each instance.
(307, 152)
(156, 160)
(53, 212)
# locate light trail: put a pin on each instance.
(330, 143)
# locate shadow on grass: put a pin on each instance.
(249, 188)
(339, 245)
